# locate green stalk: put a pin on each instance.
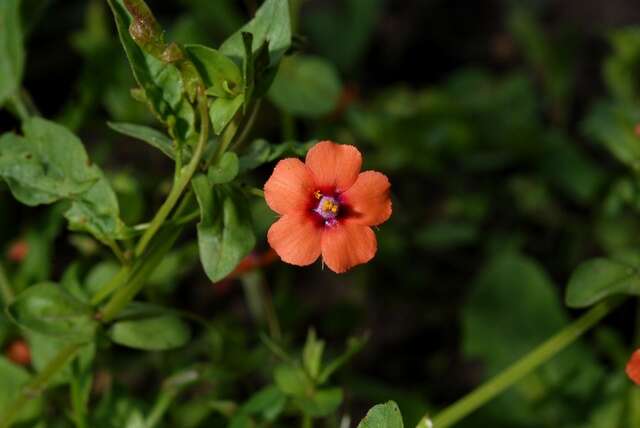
(160, 408)
(543, 353)
(5, 287)
(21, 110)
(182, 182)
(35, 387)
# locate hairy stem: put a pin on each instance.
(543, 353)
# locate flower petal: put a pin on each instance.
(290, 188)
(347, 245)
(334, 166)
(633, 367)
(296, 238)
(368, 200)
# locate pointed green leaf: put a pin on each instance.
(597, 279)
(383, 416)
(150, 136)
(225, 232)
(271, 24)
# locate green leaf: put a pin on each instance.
(220, 74)
(306, 86)
(160, 82)
(223, 110)
(48, 309)
(157, 333)
(14, 378)
(49, 164)
(11, 49)
(323, 402)
(292, 380)
(597, 279)
(225, 170)
(312, 354)
(261, 152)
(150, 136)
(383, 416)
(268, 402)
(45, 348)
(225, 232)
(271, 24)
(622, 67)
(613, 125)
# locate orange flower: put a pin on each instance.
(633, 367)
(327, 207)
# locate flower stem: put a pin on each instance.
(543, 353)
(35, 387)
(182, 182)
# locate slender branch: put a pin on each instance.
(543, 353)
(21, 110)
(182, 182)
(5, 287)
(117, 251)
(35, 387)
(247, 127)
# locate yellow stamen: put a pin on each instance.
(317, 194)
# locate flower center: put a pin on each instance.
(328, 207)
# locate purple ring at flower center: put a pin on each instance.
(328, 208)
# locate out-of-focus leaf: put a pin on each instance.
(291, 380)
(155, 333)
(383, 416)
(322, 403)
(613, 125)
(48, 309)
(622, 67)
(45, 348)
(597, 279)
(352, 24)
(225, 232)
(306, 86)
(312, 354)
(11, 48)
(261, 152)
(14, 378)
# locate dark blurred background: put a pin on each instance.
(487, 116)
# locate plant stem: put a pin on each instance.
(35, 387)
(307, 422)
(543, 353)
(116, 251)
(224, 143)
(20, 107)
(160, 407)
(5, 287)
(182, 182)
(247, 126)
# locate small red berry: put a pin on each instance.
(18, 351)
(633, 367)
(18, 251)
(636, 130)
